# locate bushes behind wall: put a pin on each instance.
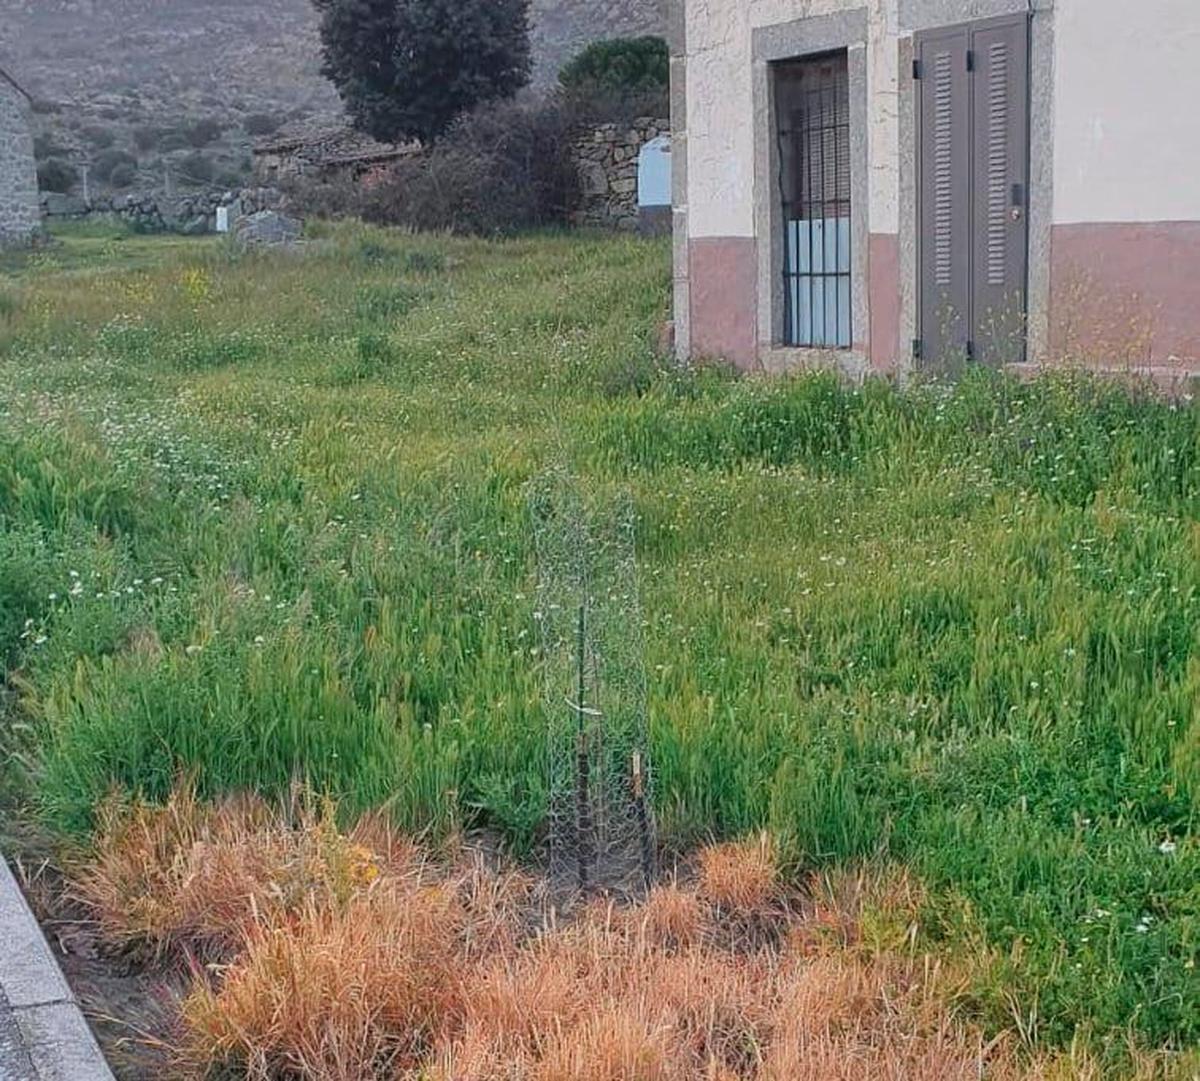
(501, 168)
(618, 80)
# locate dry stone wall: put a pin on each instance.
(154, 212)
(608, 171)
(19, 217)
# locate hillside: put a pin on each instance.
(130, 85)
(138, 75)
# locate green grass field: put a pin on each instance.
(265, 518)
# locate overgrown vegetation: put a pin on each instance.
(56, 175)
(501, 169)
(265, 520)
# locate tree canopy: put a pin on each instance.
(407, 68)
(620, 64)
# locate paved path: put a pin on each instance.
(43, 1036)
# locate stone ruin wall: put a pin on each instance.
(608, 171)
(19, 215)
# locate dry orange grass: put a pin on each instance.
(341, 992)
(197, 875)
(358, 957)
(740, 876)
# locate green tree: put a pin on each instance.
(620, 64)
(407, 68)
(108, 160)
(57, 175)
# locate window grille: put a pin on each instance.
(813, 107)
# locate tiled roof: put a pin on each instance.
(337, 146)
(5, 77)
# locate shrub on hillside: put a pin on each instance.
(123, 176)
(204, 132)
(621, 64)
(261, 124)
(56, 175)
(45, 146)
(173, 140)
(108, 161)
(503, 168)
(145, 137)
(197, 169)
(231, 177)
(100, 138)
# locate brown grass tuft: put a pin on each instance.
(337, 993)
(740, 876)
(359, 957)
(671, 918)
(612, 1044)
(185, 873)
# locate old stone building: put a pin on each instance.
(324, 153)
(561, 28)
(19, 215)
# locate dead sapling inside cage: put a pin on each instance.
(602, 831)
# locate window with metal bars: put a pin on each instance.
(812, 104)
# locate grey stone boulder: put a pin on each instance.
(197, 226)
(267, 228)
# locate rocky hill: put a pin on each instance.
(187, 81)
(132, 86)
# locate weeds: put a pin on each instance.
(951, 627)
(418, 966)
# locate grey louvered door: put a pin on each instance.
(999, 188)
(945, 203)
(973, 192)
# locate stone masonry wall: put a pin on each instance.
(608, 171)
(562, 28)
(19, 217)
(154, 212)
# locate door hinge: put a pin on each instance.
(970, 60)
(916, 69)
(918, 348)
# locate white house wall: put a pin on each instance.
(1126, 238)
(721, 110)
(1127, 133)
(1115, 210)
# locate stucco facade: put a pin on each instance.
(19, 214)
(1106, 200)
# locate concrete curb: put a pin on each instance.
(43, 1034)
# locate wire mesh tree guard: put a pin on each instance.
(601, 816)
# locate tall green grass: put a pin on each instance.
(265, 517)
